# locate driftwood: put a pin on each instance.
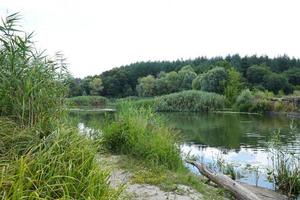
(239, 190)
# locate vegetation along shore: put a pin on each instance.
(136, 151)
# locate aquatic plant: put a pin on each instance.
(285, 171)
(32, 86)
(190, 100)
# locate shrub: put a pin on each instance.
(139, 133)
(249, 101)
(92, 101)
(257, 101)
(190, 100)
(244, 101)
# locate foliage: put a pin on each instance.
(39, 157)
(233, 85)
(214, 80)
(186, 76)
(92, 101)
(275, 82)
(196, 84)
(256, 73)
(140, 134)
(146, 86)
(62, 166)
(122, 81)
(32, 87)
(249, 101)
(96, 86)
(293, 75)
(190, 100)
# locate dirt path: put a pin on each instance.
(121, 177)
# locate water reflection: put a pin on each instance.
(238, 139)
(241, 140)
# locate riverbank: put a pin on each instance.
(142, 184)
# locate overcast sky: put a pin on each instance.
(97, 35)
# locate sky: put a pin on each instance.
(97, 35)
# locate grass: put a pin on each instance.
(40, 158)
(31, 85)
(87, 101)
(191, 100)
(168, 180)
(62, 166)
(285, 172)
(140, 134)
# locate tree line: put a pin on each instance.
(224, 75)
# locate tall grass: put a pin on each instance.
(91, 101)
(285, 171)
(62, 166)
(140, 134)
(191, 100)
(39, 157)
(31, 85)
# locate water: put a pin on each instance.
(241, 140)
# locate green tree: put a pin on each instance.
(214, 80)
(255, 74)
(186, 75)
(146, 86)
(275, 82)
(293, 75)
(233, 84)
(96, 86)
(197, 82)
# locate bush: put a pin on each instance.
(91, 101)
(190, 100)
(253, 102)
(62, 166)
(140, 134)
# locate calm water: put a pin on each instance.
(240, 140)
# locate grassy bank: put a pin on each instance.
(87, 101)
(61, 166)
(137, 133)
(40, 157)
(150, 150)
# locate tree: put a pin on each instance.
(275, 82)
(197, 82)
(233, 84)
(293, 76)
(255, 74)
(146, 86)
(173, 82)
(214, 80)
(186, 75)
(96, 86)
(74, 87)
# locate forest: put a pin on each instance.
(224, 75)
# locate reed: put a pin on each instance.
(32, 86)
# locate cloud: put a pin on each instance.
(98, 35)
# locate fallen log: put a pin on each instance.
(239, 190)
(227, 183)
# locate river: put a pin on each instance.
(240, 140)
